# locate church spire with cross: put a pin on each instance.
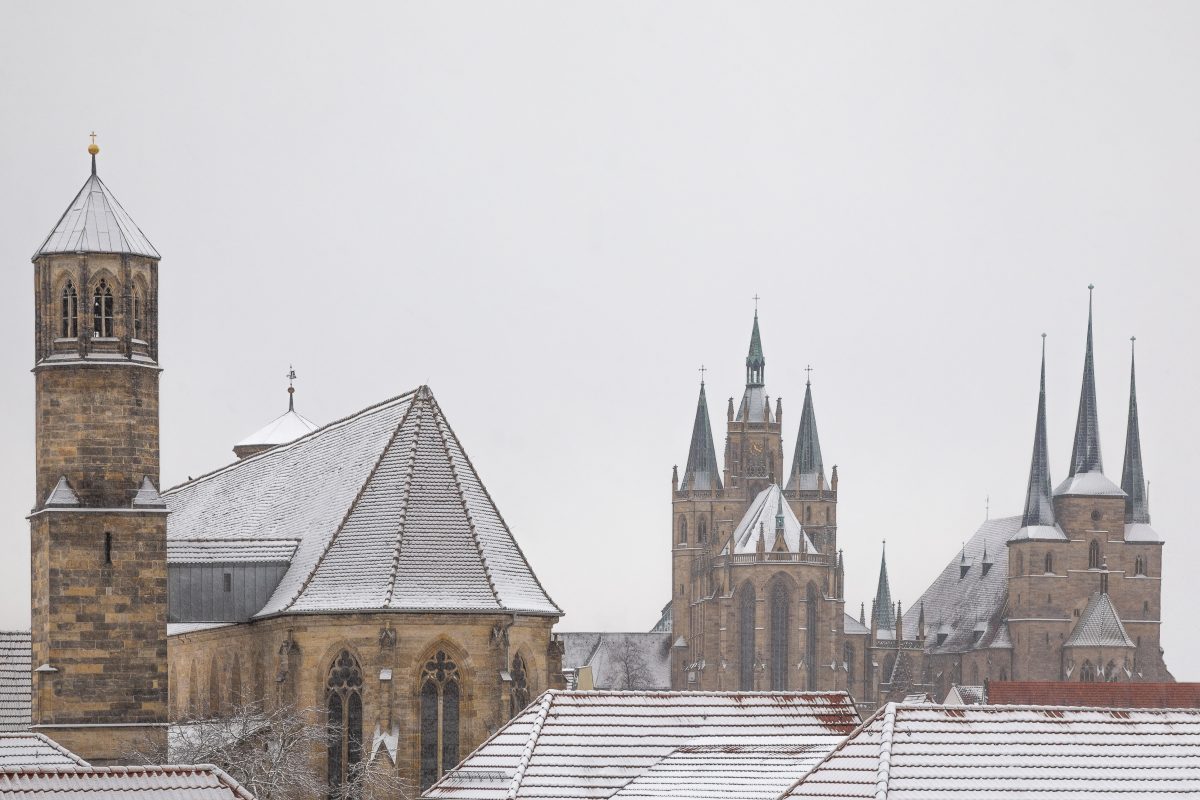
(808, 470)
(1133, 478)
(702, 473)
(754, 406)
(288, 427)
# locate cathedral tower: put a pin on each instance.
(98, 527)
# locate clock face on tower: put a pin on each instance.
(756, 449)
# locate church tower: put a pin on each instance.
(98, 527)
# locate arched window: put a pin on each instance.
(848, 659)
(439, 717)
(1094, 555)
(781, 615)
(1139, 566)
(138, 310)
(702, 529)
(682, 529)
(808, 513)
(1019, 568)
(1087, 673)
(214, 688)
(343, 702)
(520, 685)
(810, 636)
(70, 311)
(1110, 672)
(235, 683)
(889, 665)
(102, 310)
(1049, 564)
(746, 602)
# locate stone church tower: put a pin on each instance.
(98, 528)
(757, 598)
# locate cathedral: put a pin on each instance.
(358, 571)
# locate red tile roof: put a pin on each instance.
(1116, 695)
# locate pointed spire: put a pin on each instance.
(921, 623)
(862, 614)
(1133, 479)
(808, 470)
(701, 473)
(755, 363)
(779, 513)
(885, 615)
(1085, 454)
(1039, 504)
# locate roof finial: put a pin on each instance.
(702, 371)
(756, 298)
(291, 376)
(808, 376)
(93, 148)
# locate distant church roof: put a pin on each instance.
(389, 512)
(765, 509)
(1099, 626)
(96, 223)
(287, 427)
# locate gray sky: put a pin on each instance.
(554, 212)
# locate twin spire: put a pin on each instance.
(1085, 453)
(1039, 502)
(702, 473)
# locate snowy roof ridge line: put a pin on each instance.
(383, 451)
(275, 450)
(883, 776)
(483, 488)
(527, 753)
(401, 530)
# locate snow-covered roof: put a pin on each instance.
(1052, 533)
(725, 772)
(62, 495)
(288, 427)
(993, 752)
(192, 782)
(1099, 626)
(96, 223)
(763, 509)
(592, 744)
(1141, 532)
(853, 626)
(755, 406)
(177, 628)
(16, 681)
(227, 551)
(26, 749)
(389, 512)
(960, 695)
(621, 660)
(1091, 484)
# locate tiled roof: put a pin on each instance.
(591, 744)
(853, 626)
(18, 750)
(1117, 695)
(725, 772)
(16, 680)
(285, 428)
(96, 223)
(1099, 626)
(764, 509)
(389, 512)
(195, 782)
(1031, 752)
(224, 551)
(621, 660)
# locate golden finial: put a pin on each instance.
(93, 148)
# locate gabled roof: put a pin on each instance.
(808, 470)
(16, 681)
(853, 626)
(192, 782)
(287, 427)
(62, 495)
(389, 512)
(26, 749)
(993, 752)
(725, 772)
(1100, 693)
(1099, 626)
(702, 473)
(764, 508)
(591, 744)
(96, 223)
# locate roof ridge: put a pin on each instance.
(349, 509)
(280, 448)
(412, 460)
(847, 739)
(884, 773)
(527, 753)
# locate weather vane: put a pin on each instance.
(291, 376)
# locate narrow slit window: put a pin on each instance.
(108, 548)
(227, 581)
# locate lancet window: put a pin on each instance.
(520, 685)
(440, 692)
(70, 311)
(781, 612)
(343, 703)
(1094, 555)
(810, 636)
(746, 603)
(102, 310)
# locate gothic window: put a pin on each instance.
(1094, 555)
(848, 659)
(102, 310)
(826, 515)
(1020, 566)
(781, 613)
(1049, 564)
(235, 682)
(70, 311)
(520, 685)
(439, 717)
(810, 636)
(1087, 673)
(1139, 566)
(1110, 672)
(343, 702)
(682, 529)
(702, 530)
(808, 513)
(746, 603)
(889, 664)
(214, 688)
(137, 314)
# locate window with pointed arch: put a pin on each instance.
(1094, 555)
(70, 311)
(1110, 672)
(102, 310)
(440, 692)
(1049, 569)
(810, 635)
(520, 686)
(1087, 673)
(781, 614)
(682, 529)
(702, 530)
(1019, 567)
(139, 309)
(746, 603)
(848, 660)
(343, 705)
(1139, 566)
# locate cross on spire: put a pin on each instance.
(756, 298)
(291, 376)
(93, 135)
(808, 377)
(702, 371)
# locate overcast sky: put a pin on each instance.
(554, 212)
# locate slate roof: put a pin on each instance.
(287, 427)
(702, 473)
(764, 508)
(1031, 752)
(25, 749)
(389, 512)
(808, 469)
(613, 655)
(852, 625)
(96, 223)
(225, 551)
(592, 744)
(16, 681)
(1099, 626)
(1101, 693)
(725, 772)
(194, 782)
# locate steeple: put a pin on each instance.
(808, 471)
(702, 473)
(755, 406)
(283, 429)
(1133, 480)
(1085, 454)
(755, 363)
(884, 612)
(1039, 504)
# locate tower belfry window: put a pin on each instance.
(102, 310)
(702, 529)
(682, 530)
(70, 311)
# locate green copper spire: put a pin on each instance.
(885, 614)
(1133, 479)
(702, 473)
(755, 363)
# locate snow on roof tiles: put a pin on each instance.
(16, 681)
(18, 750)
(96, 223)
(193, 782)
(1116, 694)
(993, 752)
(288, 427)
(225, 551)
(1099, 626)
(852, 626)
(591, 744)
(1089, 484)
(726, 772)
(763, 509)
(389, 512)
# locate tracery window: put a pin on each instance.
(810, 636)
(102, 310)
(682, 529)
(70, 311)
(520, 685)
(1110, 672)
(702, 530)
(1094, 555)
(1087, 673)
(746, 603)
(440, 693)
(343, 703)
(848, 659)
(137, 314)
(781, 613)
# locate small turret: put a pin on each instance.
(899, 622)
(1133, 479)
(921, 624)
